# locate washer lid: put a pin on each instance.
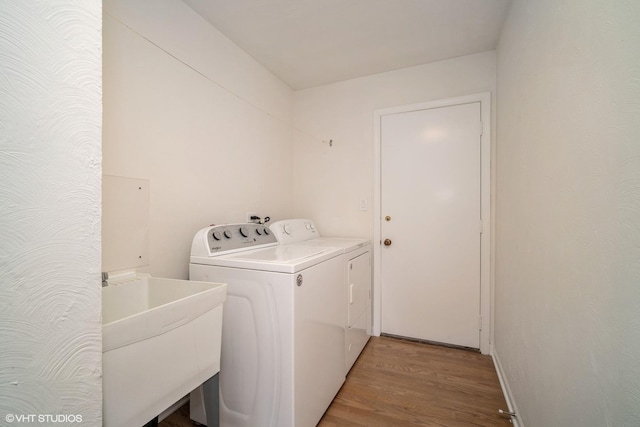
(283, 258)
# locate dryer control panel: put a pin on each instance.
(294, 230)
(229, 238)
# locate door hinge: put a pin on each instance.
(481, 128)
(481, 227)
(480, 321)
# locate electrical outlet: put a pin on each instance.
(249, 215)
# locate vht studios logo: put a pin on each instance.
(43, 418)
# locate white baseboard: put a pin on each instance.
(505, 388)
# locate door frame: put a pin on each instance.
(486, 302)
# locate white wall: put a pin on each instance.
(568, 212)
(188, 110)
(329, 182)
(50, 173)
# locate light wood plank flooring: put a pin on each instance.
(402, 383)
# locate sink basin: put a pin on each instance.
(160, 340)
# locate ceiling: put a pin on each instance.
(308, 43)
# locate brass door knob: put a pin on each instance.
(387, 242)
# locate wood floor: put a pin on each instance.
(403, 383)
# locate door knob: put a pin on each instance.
(387, 242)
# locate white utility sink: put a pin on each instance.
(160, 340)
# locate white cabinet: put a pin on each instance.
(358, 328)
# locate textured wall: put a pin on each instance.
(50, 168)
(195, 115)
(568, 211)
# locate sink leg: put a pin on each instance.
(212, 400)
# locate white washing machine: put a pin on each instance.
(282, 357)
(356, 255)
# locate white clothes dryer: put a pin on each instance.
(282, 357)
(356, 255)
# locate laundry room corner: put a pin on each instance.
(205, 124)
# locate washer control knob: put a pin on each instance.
(216, 235)
(286, 228)
(258, 232)
(227, 234)
(244, 231)
(266, 231)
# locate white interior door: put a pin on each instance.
(430, 207)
